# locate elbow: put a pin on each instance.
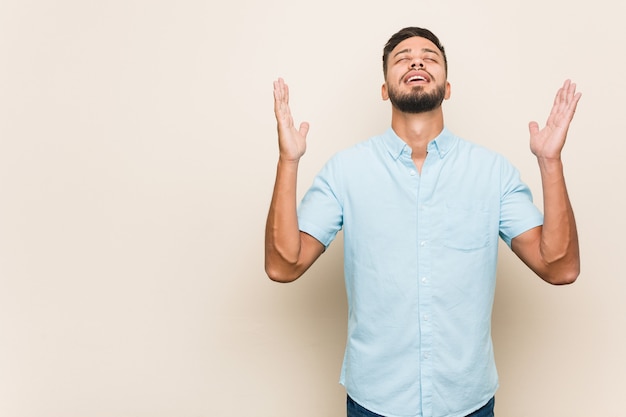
(280, 275)
(281, 278)
(280, 267)
(563, 269)
(563, 277)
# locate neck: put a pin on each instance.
(417, 130)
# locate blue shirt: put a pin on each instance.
(420, 255)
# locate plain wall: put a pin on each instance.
(137, 159)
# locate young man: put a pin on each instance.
(421, 211)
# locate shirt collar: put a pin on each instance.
(442, 144)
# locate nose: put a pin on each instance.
(417, 65)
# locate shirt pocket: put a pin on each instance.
(466, 225)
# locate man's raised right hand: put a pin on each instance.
(291, 141)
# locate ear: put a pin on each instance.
(448, 91)
(383, 92)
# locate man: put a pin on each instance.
(421, 211)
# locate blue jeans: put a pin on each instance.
(355, 410)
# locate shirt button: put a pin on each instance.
(426, 317)
(423, 243)
(424, 280)
(426, 355)
(412, 172)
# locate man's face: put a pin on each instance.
(416, 76)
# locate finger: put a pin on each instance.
(563, 93)
(571, 100)
(571, 106)
(285, 91)
(278, 93)
(281, 106)
(571, 91)
(304, 129)
(573, 96)
(279, 89)
(563, 101)
(533, 128)
(577, 97)
(567, 84)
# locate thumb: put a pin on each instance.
(533, 127)
(304, 129)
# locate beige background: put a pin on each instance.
(137, 157)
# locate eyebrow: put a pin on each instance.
(410, 50)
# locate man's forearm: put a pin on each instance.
(559, 238)
(282, 236)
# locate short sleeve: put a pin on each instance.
(320, 213)
(518, 213)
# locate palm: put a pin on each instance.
(549, 141)
(291, 141)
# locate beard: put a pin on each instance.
(417, 101)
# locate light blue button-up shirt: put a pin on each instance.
(420, 255)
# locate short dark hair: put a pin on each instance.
(407, 33)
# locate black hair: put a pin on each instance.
(407, 33)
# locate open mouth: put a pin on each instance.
(416, 79)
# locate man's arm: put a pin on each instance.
(551, 250)
(288, 251)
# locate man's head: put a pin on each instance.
(415, 68)
(407, 33)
